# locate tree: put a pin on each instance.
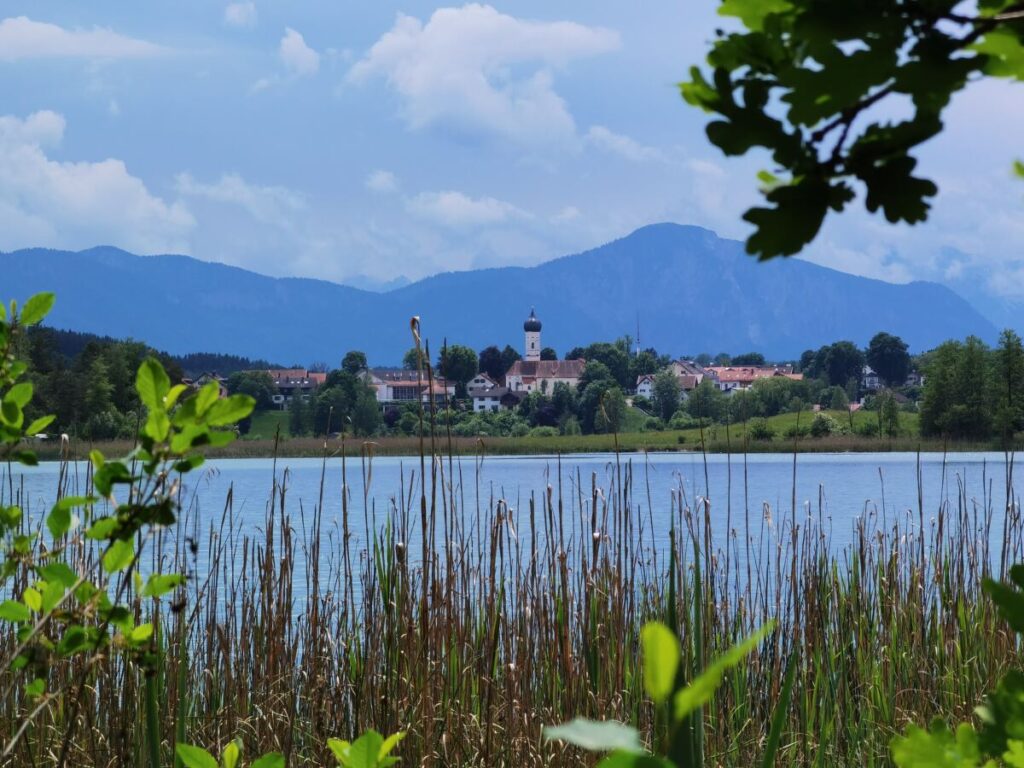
(300, 417)
(491, 363)
(508, 357)
(411, 359)
(666, 393)
(366, 417)
(815, 86)
(548, 354)
(706, 402)
(1008, 383)
(256, 384)
(749, 358)
(612, 356)
(594, 371)
(331, 411)
(888, 356)
(611, 411)
(354, 362)
(459, 364)
(842, 361)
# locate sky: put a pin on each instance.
(363, 142)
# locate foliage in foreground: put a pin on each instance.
(803, 78)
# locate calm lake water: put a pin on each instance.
(836, 489)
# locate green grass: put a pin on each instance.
(266, 423)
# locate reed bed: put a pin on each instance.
(471, 621)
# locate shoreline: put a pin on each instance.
(631, 443)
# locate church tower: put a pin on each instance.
(532, 328)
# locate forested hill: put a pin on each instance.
(690, 290)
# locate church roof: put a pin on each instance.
(547, 369)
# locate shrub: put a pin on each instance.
(521, 429)
(760, 429)
(541, 432)
(682, 420)
(796, 432)
(824, 425)
(868, 428)
(654, 425)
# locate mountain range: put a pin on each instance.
(687, 290)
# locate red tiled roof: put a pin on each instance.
(547, 369)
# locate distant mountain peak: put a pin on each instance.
(691, 290)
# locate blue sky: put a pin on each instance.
(339, 140)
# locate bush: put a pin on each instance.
(520, 429)
(542, 432)
(824, 425)
(760, 429)
(570, 426)
(868, 428)
(682, 420)
(654, 425)
(796, 432)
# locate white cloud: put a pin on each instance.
(269, 204)
(44, 202)
(457, 210)
(463, 70)
(23, 38)
(382, 181)
(241, 14)
(609, 141)
(298, 58)
(569, 213)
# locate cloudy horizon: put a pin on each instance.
(400, 141)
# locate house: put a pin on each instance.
(480, 383)
(496, 399)
(203, 379)
(731, 379)
(531, 374)
(295, 382)
(688, 374)
(869, 379)
(399, 385)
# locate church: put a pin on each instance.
(531, 374)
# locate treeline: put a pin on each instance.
(974, 392)
(88, 381)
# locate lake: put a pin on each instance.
(835, 489)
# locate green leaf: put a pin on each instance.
(799, 210)
(634, 760)
(700, 691)
(103, 529)
(38, 425)
(229, 757)
(1014, 755)
(339, 748)
(937, 747)
(661, 654)
(108, 474)
(363, 751)
(152, 384)
(119, 556)
(75, 640)
(1018, 168)
(158, 584)
(20, 394)
(389, 744)
(36, 308)
(59, 520)
(229, 410)
(36, 688)
(779, 718)
(1004, 52)
(194, 757)
(141, 634)
(32, 599)
(207, 396)
(11, 610)
(52, 594)
(269, 760)
(596, 736)
(753, 12)
(59, 573)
